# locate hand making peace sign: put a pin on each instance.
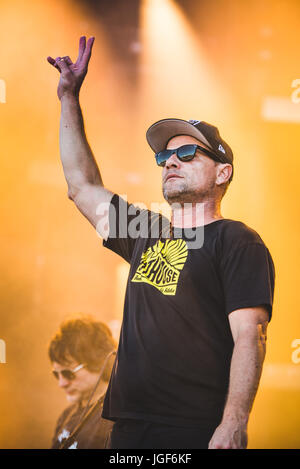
(72, 74)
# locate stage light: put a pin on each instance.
(176, 74)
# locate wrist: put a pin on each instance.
(69, 97)
(236, 415)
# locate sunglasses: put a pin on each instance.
(183, 153)
(67, 374)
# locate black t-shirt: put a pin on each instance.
(93, 434)
(175, 347)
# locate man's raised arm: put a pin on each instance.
(85, 186)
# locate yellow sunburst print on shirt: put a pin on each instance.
(161, 265)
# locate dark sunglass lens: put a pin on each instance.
(186, 152)
(162, 157)
(68, 374)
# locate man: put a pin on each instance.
(81, 356)
(193, 337)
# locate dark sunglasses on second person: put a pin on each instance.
(67, 374)
(183, 153)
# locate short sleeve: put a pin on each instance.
(248, 277)
(127, 223)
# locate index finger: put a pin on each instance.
(81, 49)
(88, 50)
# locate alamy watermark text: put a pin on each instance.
(2, 91)
(2, 351)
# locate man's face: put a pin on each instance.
(193, 181)
(80, 388)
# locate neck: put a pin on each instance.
(101, 389)
(189, 215)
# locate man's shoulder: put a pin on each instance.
(238, 233)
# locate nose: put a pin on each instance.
(62, 382)
(173, 161)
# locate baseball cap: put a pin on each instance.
(163, 130)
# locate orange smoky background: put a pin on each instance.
(233, 64)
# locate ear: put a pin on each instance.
(224, 171)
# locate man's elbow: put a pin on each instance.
(73, 192)
(71, 195)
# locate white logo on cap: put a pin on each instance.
(221, 148)
(194, 122)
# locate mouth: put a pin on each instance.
(172, 176)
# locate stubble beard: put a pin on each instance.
(172, 195)
(183, 194)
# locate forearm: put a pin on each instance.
(78, 162)
(245, 371)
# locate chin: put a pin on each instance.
(173, 197)
(170, 195)
(72, 398)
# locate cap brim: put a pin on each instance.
(161, 131)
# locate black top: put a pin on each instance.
(175, 347)
(93, 433)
